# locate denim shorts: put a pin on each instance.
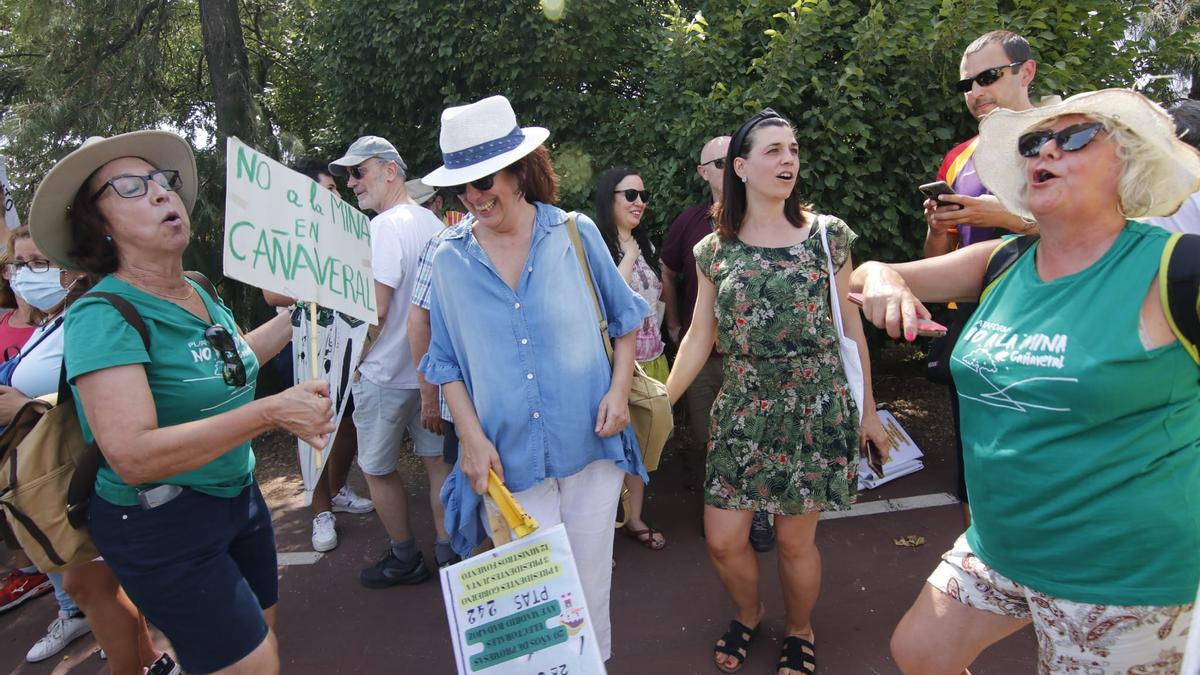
(200, 568)
(382, 417)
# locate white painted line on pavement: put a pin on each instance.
(893, 505)
(298, 558)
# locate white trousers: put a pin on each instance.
(586, 504)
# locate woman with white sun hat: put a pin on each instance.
(517, 348)
(1080, 407)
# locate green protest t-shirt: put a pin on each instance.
(183, 371)
(1081, 446)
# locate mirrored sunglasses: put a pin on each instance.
(1074, 137)
(232, 368)
(985, 78)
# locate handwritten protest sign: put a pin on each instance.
(519, 610)
(339, 342)
(10, 207)
(285, 233)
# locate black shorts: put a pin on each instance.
(200, 568)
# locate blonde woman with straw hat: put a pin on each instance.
(1080, 408)
(176, 512)
(516, 346)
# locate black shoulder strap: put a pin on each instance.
(1179, 288)
(204, 282)
(128, 312)
(1002, 259)
(131, 316)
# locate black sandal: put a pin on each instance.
(737, 644)
(798, 654)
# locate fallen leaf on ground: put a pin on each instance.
(911, 541)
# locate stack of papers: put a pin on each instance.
(905, 456)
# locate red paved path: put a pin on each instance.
(667, 605)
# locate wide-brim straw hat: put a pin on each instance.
(1174, 168)
(479, 139)
(48, 222)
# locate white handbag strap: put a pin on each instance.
(834, 304)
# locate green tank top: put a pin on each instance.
(1082, 448)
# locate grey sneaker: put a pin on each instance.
(390, 572)
(165, 665)
(762, 533)
(61, 633)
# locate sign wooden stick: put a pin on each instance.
(312, 360)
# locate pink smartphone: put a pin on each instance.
(925, 327)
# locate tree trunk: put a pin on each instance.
(228, 70)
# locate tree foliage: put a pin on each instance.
(866, 82)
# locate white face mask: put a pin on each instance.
(43, 290)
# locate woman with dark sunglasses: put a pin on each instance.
(621, 202)
(516, 347)
(786, 430)
(1080, 407)
(176, 512)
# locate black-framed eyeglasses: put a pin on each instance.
(482, 184)
(35, 265)
(984, 78)
(632, 195)
(232, 368)
(718, 163)
(1074, 137)
(130, 186)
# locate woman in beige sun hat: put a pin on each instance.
(1080, 408)
(176, 512)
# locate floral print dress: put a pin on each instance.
(784, 430)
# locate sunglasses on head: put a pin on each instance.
(232, 368)
(1074, 137)
(131, 186)
(984, 78)
(482, 184)
(631, 195)
(718, 163)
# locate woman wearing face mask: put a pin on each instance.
(621, 201)
(88, 590)
(23, 581)
(16, 325)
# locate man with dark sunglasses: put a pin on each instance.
(387, 393)
(996, 71)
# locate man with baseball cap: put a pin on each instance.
(387, 395)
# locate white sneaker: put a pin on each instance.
(324, 536)
(60, 634)
(345, 501)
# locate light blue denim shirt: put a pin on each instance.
(532, 361)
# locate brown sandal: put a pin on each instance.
(646, 537)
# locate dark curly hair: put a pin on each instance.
(535, 176)
(92, 251)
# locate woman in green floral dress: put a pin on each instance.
(785, 429)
